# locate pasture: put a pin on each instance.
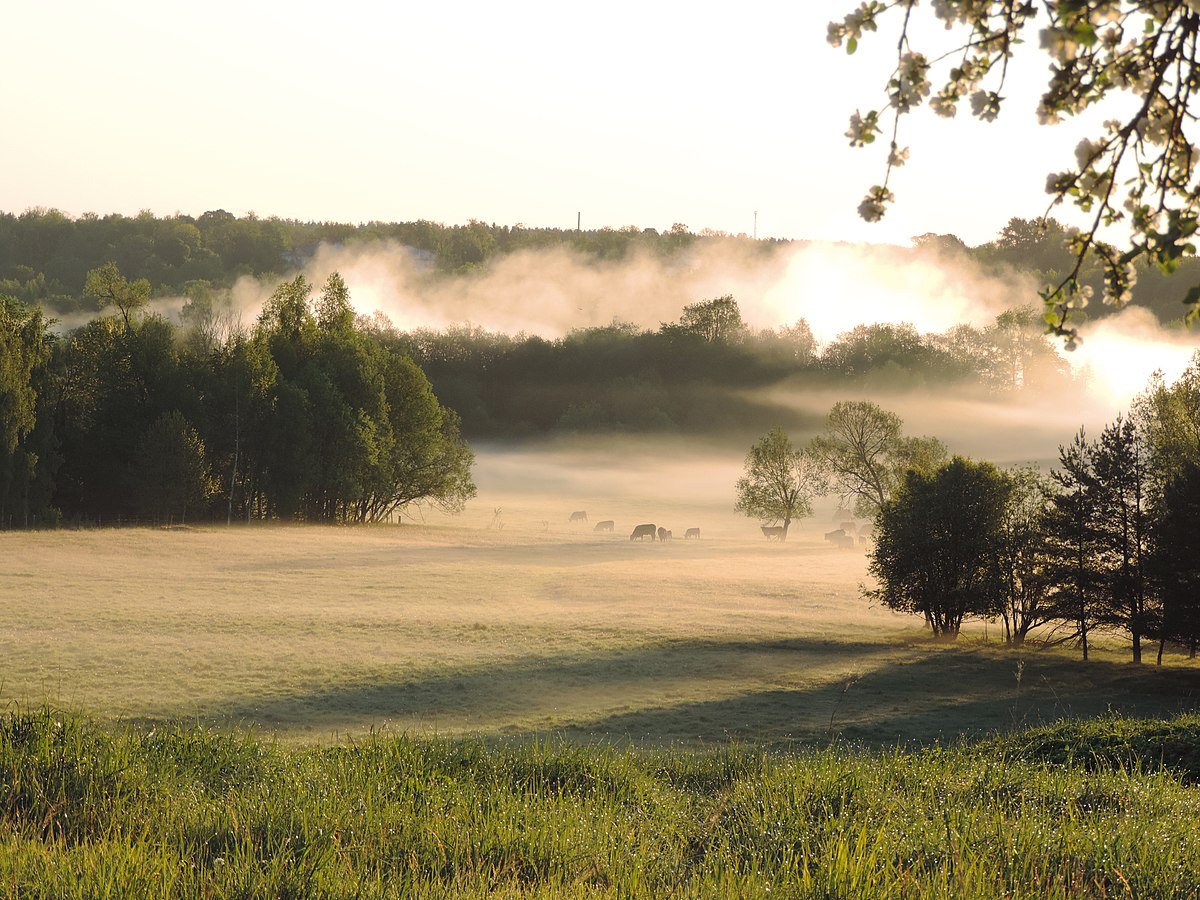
(511, 703)
(511, 620)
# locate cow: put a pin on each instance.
(663, 534)
(578, 516)
(691, 533)
(641, 532)
(840, 539)
(773, 531)
(606, 525)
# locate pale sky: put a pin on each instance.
(625, 113)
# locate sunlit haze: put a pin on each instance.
(729, 118)
(722, 118)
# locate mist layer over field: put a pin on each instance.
(833, 287)
(512, 620)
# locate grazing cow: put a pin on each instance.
(606, 525)
(641, 532)
(773, 531)
(579, 516)
(663, 534)
(839, 539)
(691, 533)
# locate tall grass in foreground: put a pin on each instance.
(190, 812)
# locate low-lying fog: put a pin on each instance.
(834, 287)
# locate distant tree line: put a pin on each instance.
(705, 371)
(45, 255)
(303, 416)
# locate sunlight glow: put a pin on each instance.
(1119, 354)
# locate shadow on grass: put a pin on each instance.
(770, 692)
(492, 550)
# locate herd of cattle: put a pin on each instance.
(842, 538)
(640, 533)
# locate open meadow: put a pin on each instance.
(510, 620)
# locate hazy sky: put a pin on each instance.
(627, 113)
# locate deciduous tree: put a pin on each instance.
(25, 347)
(865, 453)
(1020, 554)
(779, 481)
(108, 287)
(714, 321)
(936, 542)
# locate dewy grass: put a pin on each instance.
(88, 811)
(314, 634)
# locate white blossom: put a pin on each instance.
(874, 205)
(985, 105)
(1060, 43)
(863, 128)
(1087, 151)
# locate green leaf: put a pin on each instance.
(1085, 34)
(851, 45)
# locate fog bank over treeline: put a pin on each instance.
(531, 333)
(45, 256)
(551, 292)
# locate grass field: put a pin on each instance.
(509, 620)
(508, 704)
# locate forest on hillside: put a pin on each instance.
(45, 255)
(314, 413)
